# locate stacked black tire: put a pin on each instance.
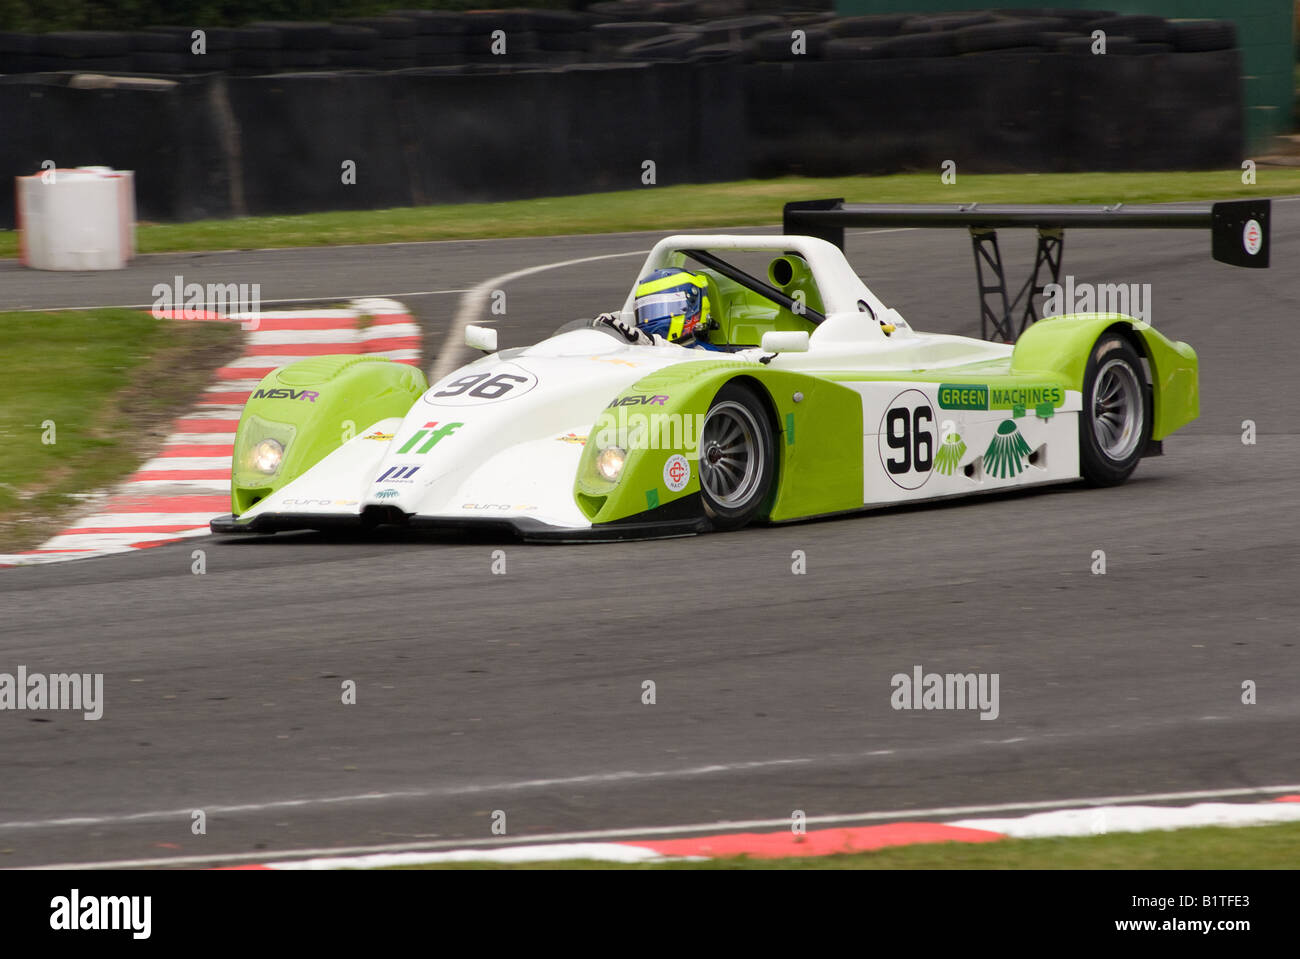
(677, 31)
(495, 105)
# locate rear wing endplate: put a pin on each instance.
(1239, 235)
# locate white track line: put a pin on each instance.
(646, 832)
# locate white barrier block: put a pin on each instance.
(79, 219)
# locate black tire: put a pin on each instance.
(1115, 423)
(483, 22)
(674, 11)
(1082, 46)
(433, 45)
(575, 42)
(23, 43)
(716, 53)
(998, 36)
(737, 457)
(84, 43)
(1196, 36)
(160, 41)
(255, 38)
(919, 45)
(256, 59)
(670, 46)
(148, 61)
(355, 59)
(557, 21)
(296, 59)
(436, 22)
(732, 28)
(933, 23)
(880, 25)
(611, 36)
(353, 37)
(852, 48)
(777, 45)
(1141, 27)
(390, 28)
(295, 35)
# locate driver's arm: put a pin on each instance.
(629, 331)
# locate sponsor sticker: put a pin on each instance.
(677, 472)
(427, 437)
(963, 397)
(502, 382)
(386, 494)
(1252, 237)
(1040, 396)
(1008, 453)
(382, 437)
(1003, 398)
(573, 438)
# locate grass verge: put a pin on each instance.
(104, 385)
(1211, 847)
(696, 206)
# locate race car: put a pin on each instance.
(814, 398)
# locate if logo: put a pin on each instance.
(429, 436)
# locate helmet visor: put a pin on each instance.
(662, 306)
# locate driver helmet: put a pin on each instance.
(673, 303)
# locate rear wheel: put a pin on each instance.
(1115, 425)
(737, 457)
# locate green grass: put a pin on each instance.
(109, 381)
(1211, 847)
(749, 202)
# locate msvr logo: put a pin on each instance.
(281, 393)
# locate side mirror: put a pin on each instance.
(482, 338)
(785, 341)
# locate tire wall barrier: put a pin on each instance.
(230, 143)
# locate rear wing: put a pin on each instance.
(1239, 235)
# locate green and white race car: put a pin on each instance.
(821, 400)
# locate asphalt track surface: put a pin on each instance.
(523, 692)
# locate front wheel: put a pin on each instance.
(737, 457)
(1115, 424)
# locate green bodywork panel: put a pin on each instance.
(311, 408)
(1054, 352)
(818, 441)
(1062, 345)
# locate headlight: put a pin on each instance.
(267, 455)
(609, 463)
